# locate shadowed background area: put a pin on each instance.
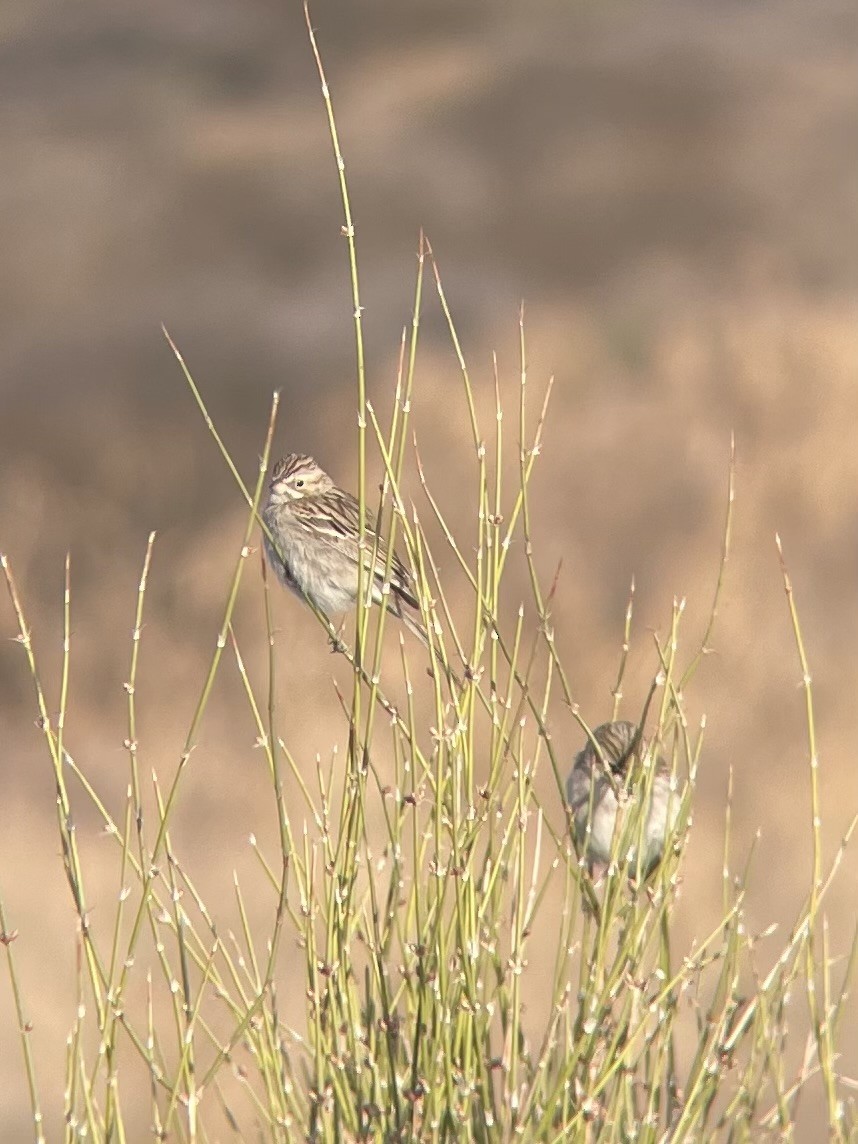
(671, 190)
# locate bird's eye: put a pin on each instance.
(299, 484)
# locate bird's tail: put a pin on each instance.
(404, 613)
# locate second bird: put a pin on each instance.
(314, 526)
(594, 803)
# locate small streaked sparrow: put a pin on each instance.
(593, 798)
(314, 526)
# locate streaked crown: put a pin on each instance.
(619, 742)
(298, 476)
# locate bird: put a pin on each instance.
(313, 544)
(594, 795)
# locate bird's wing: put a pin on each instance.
(337, 515)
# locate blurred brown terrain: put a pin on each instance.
(670, 188)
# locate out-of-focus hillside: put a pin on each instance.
(671, 190)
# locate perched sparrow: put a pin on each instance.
(314, 526)
(622, 747)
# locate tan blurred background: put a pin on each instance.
(671, 190)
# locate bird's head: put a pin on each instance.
(296, 477)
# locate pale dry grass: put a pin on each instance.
(744, 324)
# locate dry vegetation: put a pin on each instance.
(428, 958)
(431, 899)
